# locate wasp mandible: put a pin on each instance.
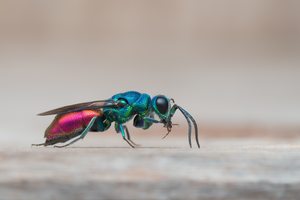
(75, 121)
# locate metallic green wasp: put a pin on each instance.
(75, 121)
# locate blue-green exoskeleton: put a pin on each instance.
(75, 121)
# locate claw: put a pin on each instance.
(166, 135)
(135, 144)
(169, 128)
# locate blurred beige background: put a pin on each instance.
(232, 63)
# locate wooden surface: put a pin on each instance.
(104, 167)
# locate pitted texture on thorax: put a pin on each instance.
(137, 103)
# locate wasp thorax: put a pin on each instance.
(162, 104)
(122, 102)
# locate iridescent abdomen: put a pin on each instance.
(69, 125)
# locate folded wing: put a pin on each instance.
(93, 105)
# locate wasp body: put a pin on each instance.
(75, 121)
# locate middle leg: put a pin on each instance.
(128, 136)
(121, 128)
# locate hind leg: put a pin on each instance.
(36, 145)
(83, 134)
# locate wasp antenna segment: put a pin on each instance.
(190, 127)
(195, 126)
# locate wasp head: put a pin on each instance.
(162, 107)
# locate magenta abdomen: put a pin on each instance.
(69, 123)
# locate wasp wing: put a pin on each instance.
(93, 105)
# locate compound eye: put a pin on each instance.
(162, 105)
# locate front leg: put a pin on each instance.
(144, 122)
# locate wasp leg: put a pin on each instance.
(83, 134)
(42, 144)
(128, 136)
(124, 135)
(151, 120)
(166, 134)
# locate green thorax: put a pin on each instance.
(135, 104)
